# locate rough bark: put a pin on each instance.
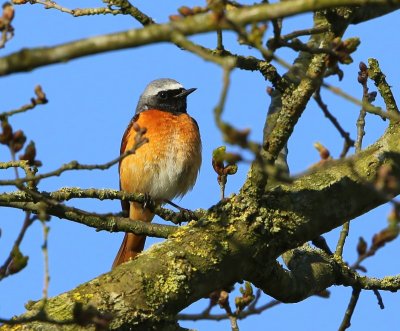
(241, 237)
(236, 238)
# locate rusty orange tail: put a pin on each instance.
(133, 244)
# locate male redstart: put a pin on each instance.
(167, 166)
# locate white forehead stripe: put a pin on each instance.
(162, 85)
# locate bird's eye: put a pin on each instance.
(162, 95)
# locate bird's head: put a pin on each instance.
(164, 94)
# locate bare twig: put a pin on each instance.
(392, 116)
(40, 99)
(180, 40)
(45, 251)
(4, 269)
(15, 260)
(226, 58)
(218, 317)
(223, 302)
(220, 44)
(375, 73)
(128, 9)
(39, 317)
(29, 59)
(7, 30)
(81, 316)
(100, 222)
(73, 165)
(342, 239)
(125, 9)
(379, 297)
(348, 142)
(362, 79)
(305, 32)
(69, 193)
(230, 134)
(350, 309)
(367, 106)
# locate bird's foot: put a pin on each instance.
(184, 214)
(148, 202)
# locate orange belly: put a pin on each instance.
(166, 166)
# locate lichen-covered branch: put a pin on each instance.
(375, 73)
(28, 59)
(216, 251)
(301, 81)
(68, 193)
(241, 237)
(105, 222)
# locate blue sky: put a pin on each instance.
(91, 101)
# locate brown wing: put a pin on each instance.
(124, 141)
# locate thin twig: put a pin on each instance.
(375, 73)
(41, 316)
(29, 59)
(75, 12)
(379, 297)
(226, 58)
(362, 79)
(4, 268)
(222, 99)
(350, 309)
(100, 222)
(45, 251)
(180, 40)
(40, 99)
(219, 317)
(51, 5)
(73, 165)
(348, 142)
(392, 116)
(305, 32)
(220, 44)
(342, 239)
(68, 193)
(230, 134)
(126, 8)
(129, 9)
(368, 107)
(277, 27)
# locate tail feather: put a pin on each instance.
(133, 244)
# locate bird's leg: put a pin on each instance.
(186, 214)
(148, 202)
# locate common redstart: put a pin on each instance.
(167, 166)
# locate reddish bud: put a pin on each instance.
(362, 66)
(361, 246)
(174, 18)
(18, 141)
(8, 12)
(323, 151)
(185, 11)
(6, 135)
(41, 96)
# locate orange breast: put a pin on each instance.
(167, 166)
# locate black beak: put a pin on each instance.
(185, 93)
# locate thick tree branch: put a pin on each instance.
(215, 251)
(68, 193)
(241, 237)
(302, 80)
(105, 222)
(29, 59)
